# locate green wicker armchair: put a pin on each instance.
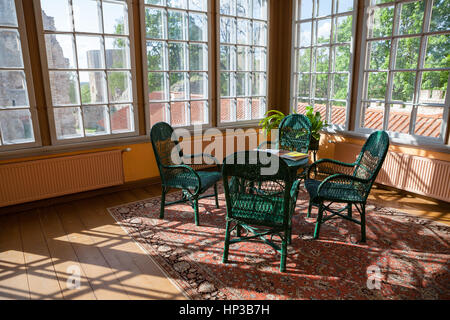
(333, 181)
(260, 204)
(176, 174)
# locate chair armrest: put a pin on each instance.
(340, 178)
(186, 169)
(203, 156)
(329, 167)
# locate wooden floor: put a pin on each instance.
(40, 249)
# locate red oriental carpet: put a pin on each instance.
(405, 257)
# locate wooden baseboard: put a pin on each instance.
(78, 196)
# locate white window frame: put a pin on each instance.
(241, 123)
(29, 80)
(46, 77)
(144, 39)
(410, 138)
(331, 45)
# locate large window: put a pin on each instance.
(87, 50)
(405, 73)
(322, 57)
(242, 59)
(176, 42)
(17, 114)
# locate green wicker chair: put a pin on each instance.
(260, 204)
(333, 181)
(189, 178)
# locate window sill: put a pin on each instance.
(422, 145)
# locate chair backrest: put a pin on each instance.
(371, 158)
(251, 195)
(295, 133)
(164, 145)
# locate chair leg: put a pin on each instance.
(289, 235)
(284, 251)
(363, 223)
(238, 230)
(319, 221)
(309, 209)
(216, 196)
(163, 202)
(349, 210)
(196, 219)
(227, 243)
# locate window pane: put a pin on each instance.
(376, 88)
(306, 8)
(8, 13)
(437, 54)
(411, 17)
(258, 108)
(87, 16)
(226, 110)
(344, 5)
(156, 53)
(380, 22)
(177, 4)
(158, 113)
(60, 51)
(56, 15)
(244, 31)
(199, 112)
(10, 50)
(16, 126)
(338, 112)
(115, 18)
(68, 123)
(323, 7)
(378, 52)
(227, 30)
(303, 89)
(198, 56)
(259, 33)
(96, 120)
(407, 53)
(178, 85)
(177, 56)
(403, 87)
(321, 86)
(225, 84)
(372, 116)
(304, 60)
(227, 57)
(198, 85)
(64, 88)
(90, 52)
(119, 86)
(323, 30)
(242, 84)
(154, 23)
(93, 87)
(117, 51)
(157, 86)
(429, 121)
(322, 59)
(399, 118)
(259, 59)
(340, 87)
(344, 27)
(200, 5)
(177, 24)
(434, 87)
(304, 32)
(242, 109)
(243, 8)
(439, 16)
(243, 58)
(178, 115)
(260, 9)
(198, 27)
(13, 89)
(122, 118)
(259, 84)
(342, 56)
(227, 7)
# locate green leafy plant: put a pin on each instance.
(271, 120)
(316, 122)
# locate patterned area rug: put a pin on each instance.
(405, 257)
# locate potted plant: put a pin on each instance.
(316, 125)
(273, 118)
